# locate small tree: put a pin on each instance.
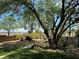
(8, 24)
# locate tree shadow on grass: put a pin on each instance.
(28, 54)
(6, 50)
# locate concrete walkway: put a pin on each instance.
(9, 42)
(1, 57)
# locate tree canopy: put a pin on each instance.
(56, 18)
(8, 24)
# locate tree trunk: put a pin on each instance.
(8, 33)
(31, 28)
(53, 43)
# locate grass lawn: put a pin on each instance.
(6, 50)
(37, 54)
(9, 47)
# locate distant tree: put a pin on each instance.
(29, 19)
(8, 24)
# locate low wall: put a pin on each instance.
(4, 38)
(70, 40)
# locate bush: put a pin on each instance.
(28, 38)
(35, 35)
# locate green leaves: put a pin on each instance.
(8, 23)
(47, 10)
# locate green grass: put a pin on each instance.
(30, 54)
(6, 49)
(36, 53)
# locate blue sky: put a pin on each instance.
(21, 10)
(16, 16)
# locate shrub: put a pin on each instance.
(35, 35)
(28, 38)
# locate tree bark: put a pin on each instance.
(53, 43)
(31, 28)
(8, 33)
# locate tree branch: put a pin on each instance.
(62, 18)
(31, 7)
(69, 26)
(69, 4)
(70, 9)
(64, 22)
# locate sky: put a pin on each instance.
(21, 8)
(16, 30)
(17, 17)
(10, 13)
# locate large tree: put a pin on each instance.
(68, 14)
(60, 25)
